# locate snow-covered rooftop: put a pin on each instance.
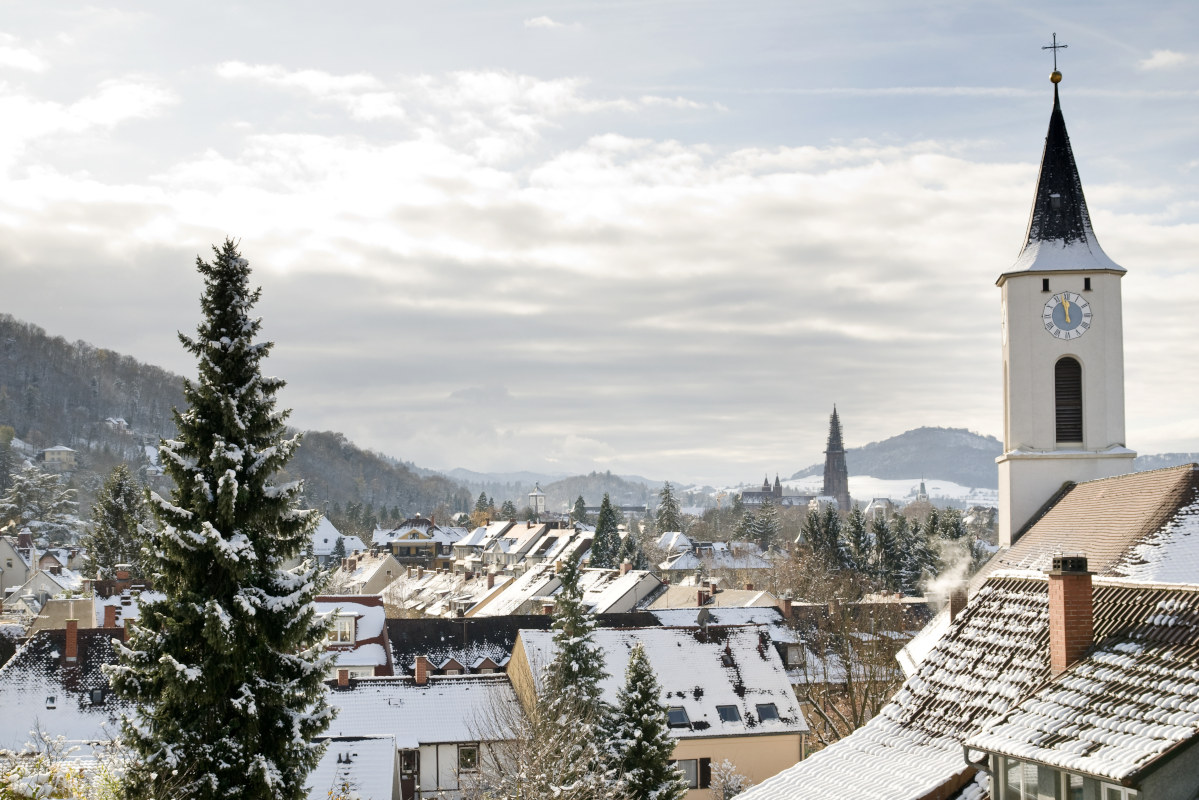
(733, 667)
(457, 709)
(355, 766)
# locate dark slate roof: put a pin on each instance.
(995, 655)
(1059, 232)
(1132, 700)
(39, 671)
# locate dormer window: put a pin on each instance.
(342, 630)
(51, 701)
(1055, 201)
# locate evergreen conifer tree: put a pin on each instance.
(117, 534)
(640, 742)
(765, 528)
(508, 510)
(579, 514)
(606, 543)
(857, 539)
(571, 698)
(225, 673)
(888, 559)
(668, 518)
(339, 550)
(481, 503)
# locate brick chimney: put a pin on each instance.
(343, 678)
(1071, 615)
(547, 609)
(122, 574)
(110, 616)
(957, 600)
(422, 670)
(625, 567)
(712, 587)
(785, 606)
(490, 579)
(72, 654)
(701, 597)
(749, 587)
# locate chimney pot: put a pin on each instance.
(343, 678)
(72, 648)
(957, 600)
(422, 670)
(547, 609)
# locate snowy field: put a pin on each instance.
(863, 488)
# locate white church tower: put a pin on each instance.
(1063, 348)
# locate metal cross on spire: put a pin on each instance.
(1055, 47)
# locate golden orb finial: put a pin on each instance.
(1055, 77)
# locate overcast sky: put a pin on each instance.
(660, 238)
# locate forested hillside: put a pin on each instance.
(57, 392)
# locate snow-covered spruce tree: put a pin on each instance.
(668, 518)
(571, 701)
(116, 534)
(639, 740)
(857, 540)
(225, 673)
(579, 513)
(606, 543)
(508, 510)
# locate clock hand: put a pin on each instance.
(1066, 308)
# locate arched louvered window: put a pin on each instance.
(1067, 380)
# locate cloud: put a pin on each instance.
(546, 22)
(362, 95)
(1167, 59)
(112, 103)
(14, 56)
(486, 286)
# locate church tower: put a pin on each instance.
(1063, 347)
(836, 474)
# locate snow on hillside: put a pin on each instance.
(863, 488)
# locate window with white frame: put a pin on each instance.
(690, 769)
(341, 631)
(1113, 792)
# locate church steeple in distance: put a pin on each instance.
(836, 473)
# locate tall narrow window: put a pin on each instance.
(1067, 378)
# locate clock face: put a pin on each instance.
(1067, 316)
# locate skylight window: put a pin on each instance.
(677, 716)
(728, 713)
(767, 712)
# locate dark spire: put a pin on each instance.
(1059, 228)
(836, 473)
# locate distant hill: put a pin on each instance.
(559, 488)
(951, 454)
(1162, 460)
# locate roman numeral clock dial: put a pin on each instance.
(1067, 316)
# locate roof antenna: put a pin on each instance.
(1056, 77)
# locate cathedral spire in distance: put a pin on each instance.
(836, 473)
